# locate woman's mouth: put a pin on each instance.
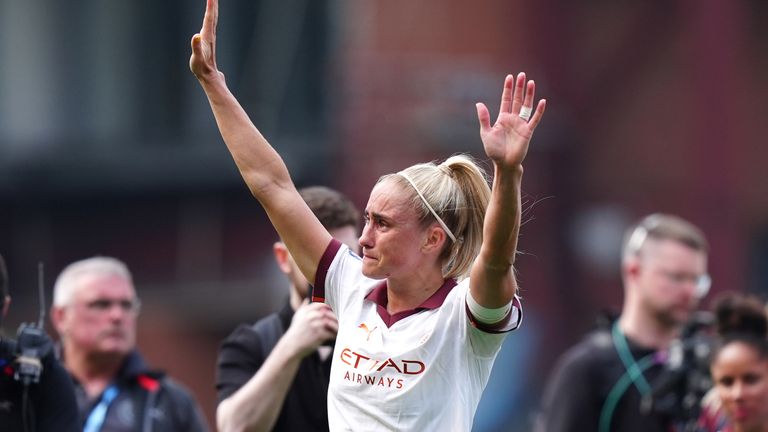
(741, 413)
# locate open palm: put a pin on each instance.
(506, 142)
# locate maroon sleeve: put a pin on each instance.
(318, 289)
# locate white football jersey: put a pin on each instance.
(418, 370)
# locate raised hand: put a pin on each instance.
(506, 142)
(202, 63)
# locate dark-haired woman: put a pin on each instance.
(739, 367)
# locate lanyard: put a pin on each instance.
(630, 364)
(99, 413)
(633, 374)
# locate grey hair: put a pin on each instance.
(66, 282)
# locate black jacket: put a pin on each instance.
(147, 401)
(586, 386)
(49, 404)
(243, 353)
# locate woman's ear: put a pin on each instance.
(435, 239)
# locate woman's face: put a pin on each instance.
(741, 382)
(392, 236)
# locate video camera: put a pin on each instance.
(677, 392)
(32, 343)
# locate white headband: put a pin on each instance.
(431, 210)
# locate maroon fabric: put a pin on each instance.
(379, 296)
(318, 289)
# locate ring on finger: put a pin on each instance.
(525, 113)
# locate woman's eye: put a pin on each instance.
(726, 381)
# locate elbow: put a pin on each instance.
(228, 420)
(225, 421)
(265, 178)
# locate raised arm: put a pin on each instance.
(260, 165)
(492, 282)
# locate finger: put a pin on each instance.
(215, 15)
(321, 308)
(527, 108)
(483, 116)
(328, 313)
(211, 17)
(517, 97)
(332, 326)
(529, 94)
(538, 114)
(195, 43)
(506, 94)
(331, 316)
(321, 326)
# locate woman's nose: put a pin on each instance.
(365, 236)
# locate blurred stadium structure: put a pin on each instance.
(107, 145)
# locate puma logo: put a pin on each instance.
(367, 331)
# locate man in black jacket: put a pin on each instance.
(600, 383)
(94, 311)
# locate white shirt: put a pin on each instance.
(419, 370)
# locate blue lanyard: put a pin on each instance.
(99, 412)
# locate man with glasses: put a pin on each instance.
(94, 311)
(598, 385)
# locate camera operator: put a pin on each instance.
(36, 393)
(598, 385)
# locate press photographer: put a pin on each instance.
(599, 384)
(36, 393)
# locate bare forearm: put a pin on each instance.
(256, 406)
(493, 272)
(262, 168)
(259, 164)
(267, 177)
(502, 219)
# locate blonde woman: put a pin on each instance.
(423, 312)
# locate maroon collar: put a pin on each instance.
(379, 296)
